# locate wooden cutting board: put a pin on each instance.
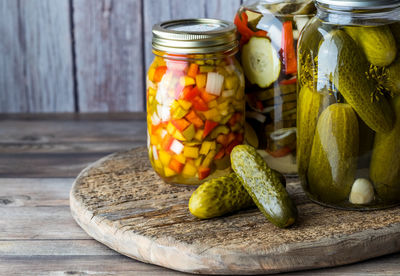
(122, 203)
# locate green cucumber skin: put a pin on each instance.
(385, 162)
(219, 197)
(343, 62)
(334, 153)
(378, 43)
(264, 186)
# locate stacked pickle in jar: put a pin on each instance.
(195, 115)
(349, 114)
(269, 31)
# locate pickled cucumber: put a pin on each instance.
(378, 43)
(222, 196)
(263, 186)
(333, 160)
(218, 197)
(393, 77)
(307, 118)
(261, 62)
(340, 60)
(385, 163)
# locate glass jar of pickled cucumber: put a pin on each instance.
(269, 30)
(348, 123)
(195, 100)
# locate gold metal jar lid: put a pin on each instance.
(194, 36)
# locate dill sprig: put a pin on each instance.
(380, 76)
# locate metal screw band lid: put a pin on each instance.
(362, 4)
(190, 36)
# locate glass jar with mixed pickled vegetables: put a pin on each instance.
(348, 151)
(195, 100)
(269, 30)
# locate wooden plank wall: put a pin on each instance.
(84, 55)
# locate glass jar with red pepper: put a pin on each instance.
(268, 32)
(195, 100)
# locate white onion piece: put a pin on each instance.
(214, 84)
(176, 147)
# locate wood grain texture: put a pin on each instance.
(156, 11)
(121, 202)
(62, 148)
(71, 256)
(36, 72)
(109, 55)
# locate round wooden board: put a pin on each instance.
(121, 202)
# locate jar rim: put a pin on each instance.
(189, 36)
(360, 4)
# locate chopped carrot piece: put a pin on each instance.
(207, 97)
(160, 71)
(175, 165)
(194, 119)
(193, 68)
(167, 141)
(208, 127)
(180, 124)
(203, 172)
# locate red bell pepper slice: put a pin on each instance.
(288, 82)
(230, 147)
(245, 32)
(288, 51)
(208, 127)
(189, 93)
(199, 104)
(220, 154)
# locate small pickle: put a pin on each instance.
(333, 160)
(218, 197)
(378, 43)
(310, 103)
(385, 163)
(264, 186)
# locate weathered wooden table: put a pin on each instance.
(40, 155)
